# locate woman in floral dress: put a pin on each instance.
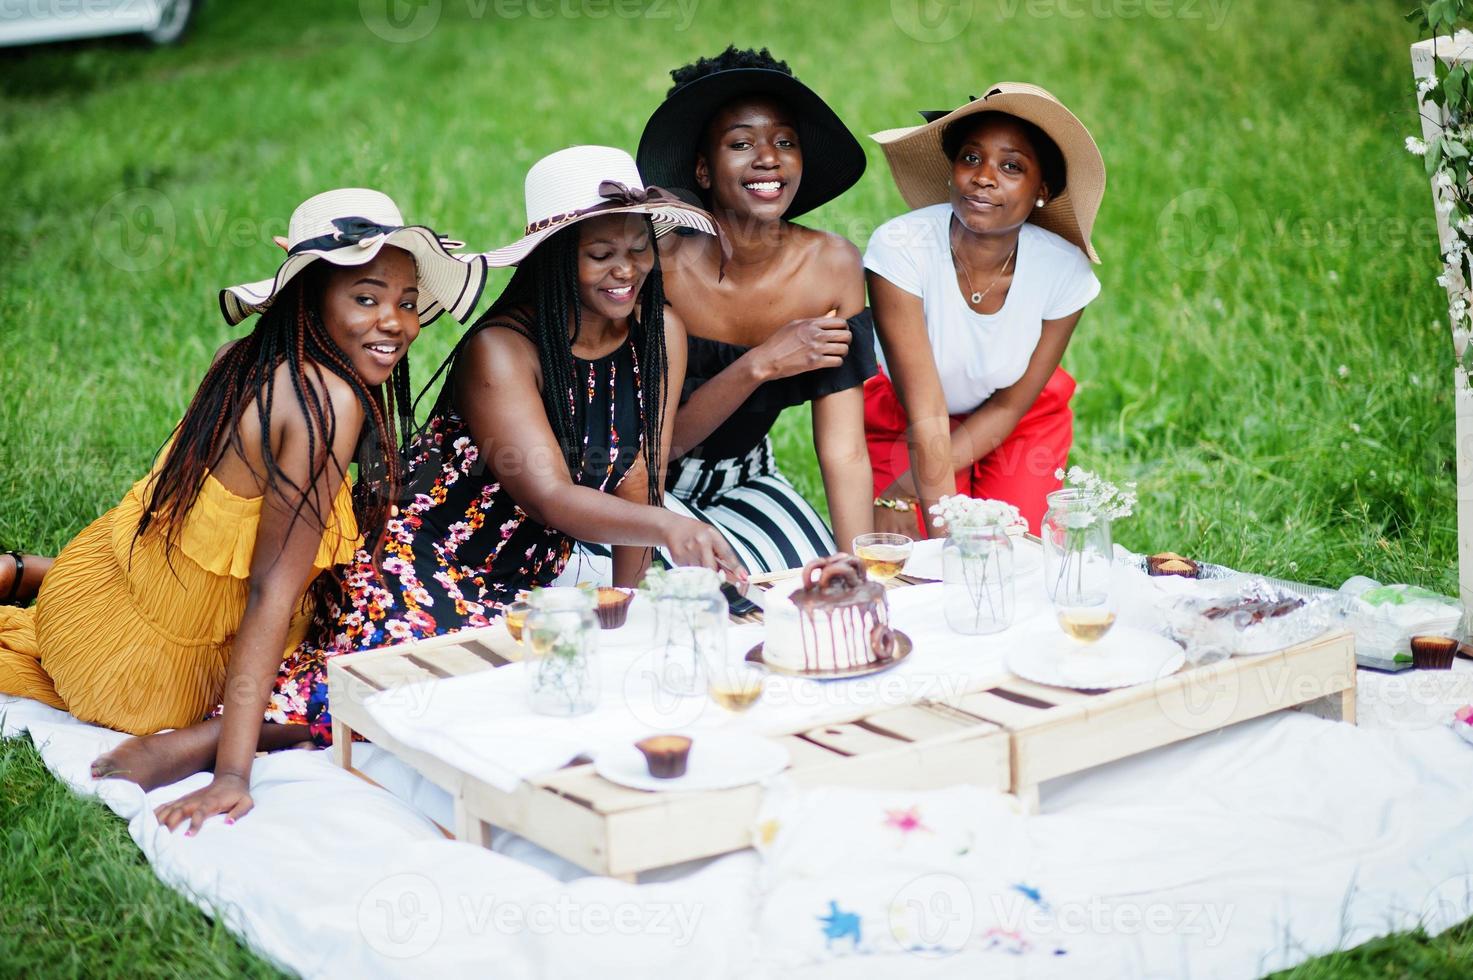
(551, 426)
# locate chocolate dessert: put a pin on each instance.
(842, 616)
(1170, 563)
(1249, 611)
(665, 755)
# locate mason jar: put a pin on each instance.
(690, 627)
(560, 638)
(1077, 550)
(977, 579)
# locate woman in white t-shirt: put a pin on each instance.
(975, 296)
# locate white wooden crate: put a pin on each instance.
(1008, 733)
(612, 830)
(1057, 731)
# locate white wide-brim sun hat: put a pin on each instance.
(923, 173)
(350, 226)
(584, 182)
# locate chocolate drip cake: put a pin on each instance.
(836, 620)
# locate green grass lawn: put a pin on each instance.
(1269, 357)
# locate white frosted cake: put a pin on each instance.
(835, 621)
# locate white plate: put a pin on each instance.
(925, 558)
(717, 761)
(1126, 656)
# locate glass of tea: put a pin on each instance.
(516, 618)
(1085, 616)
(884, 555)
(736, 686)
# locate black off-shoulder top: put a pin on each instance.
(750, 423)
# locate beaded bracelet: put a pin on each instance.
(890, 503)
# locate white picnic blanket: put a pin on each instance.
(1229, 855)
(1232, 854)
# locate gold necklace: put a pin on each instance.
(977, 297)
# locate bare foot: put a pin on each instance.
(152, 761)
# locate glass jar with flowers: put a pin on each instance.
(1078, 550)
(561, 636)
(976, 562)
(690, 625)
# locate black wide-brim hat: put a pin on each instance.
(833, 160)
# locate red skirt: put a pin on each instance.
(1020, 471)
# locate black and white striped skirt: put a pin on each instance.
(764, 517)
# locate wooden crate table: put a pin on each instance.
(1004, 732)
(612, 830)
(1056, 731)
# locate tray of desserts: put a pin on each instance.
(1247, 617)
(1170, 564)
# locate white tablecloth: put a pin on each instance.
(483, 723)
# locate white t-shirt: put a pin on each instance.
(977, 353)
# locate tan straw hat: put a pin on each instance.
(583, 182)
(922, 172)
(349, 226)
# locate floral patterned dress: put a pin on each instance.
(459, 548)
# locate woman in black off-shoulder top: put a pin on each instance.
(778, 322)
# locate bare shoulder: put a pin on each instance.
(499, 360)
(834, 253)
(673, 244)
(497, 351)
(688, 259)
(316, 381)
(834, 266)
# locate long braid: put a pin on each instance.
(402, 415)
(654, 370)
(556, 274)
(377, 452)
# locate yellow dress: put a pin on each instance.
(124, 636)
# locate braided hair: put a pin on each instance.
(289, 332)
(546, 282)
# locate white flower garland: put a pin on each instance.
(1448, 92)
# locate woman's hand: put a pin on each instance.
(228, 794)
(693, 542)
(896, 521)
(803, 345)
